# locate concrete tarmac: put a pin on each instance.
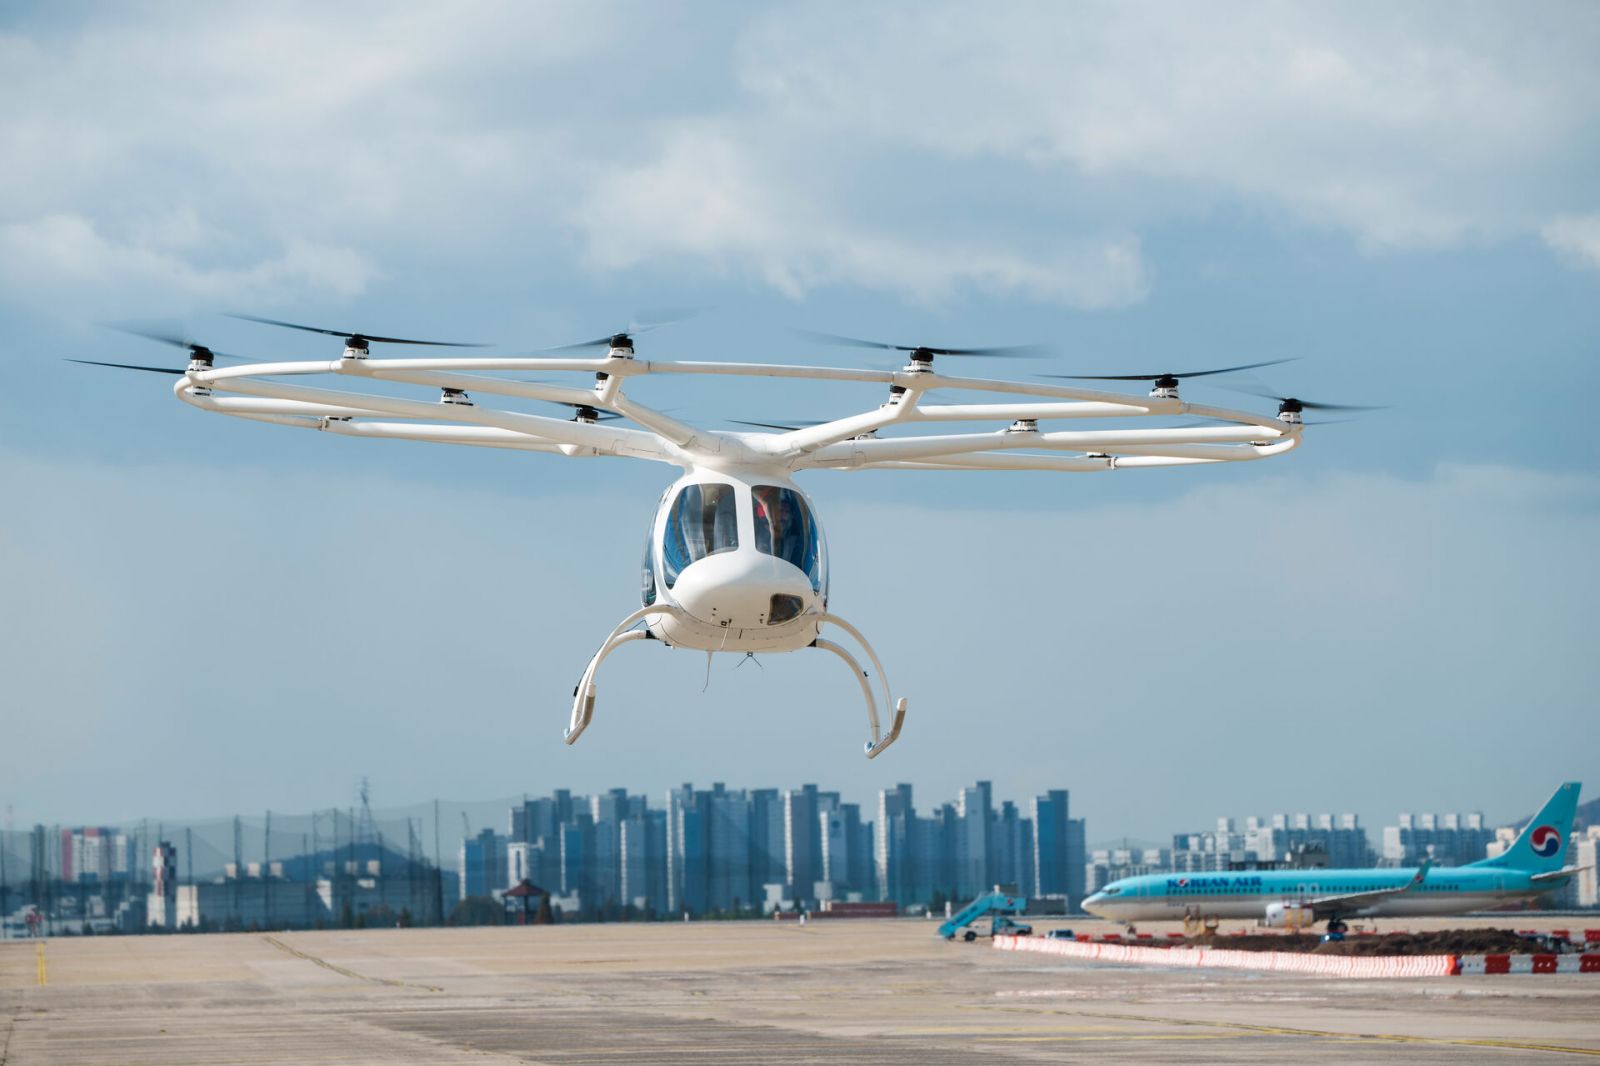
(732, 992)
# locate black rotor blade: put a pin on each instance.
(131, 366)
(600, 414)
(1309, 406)
(654, 318)
(598, 342)
(801, 424)
(1152, 377)
(177, 340)
(1306, 405)
(354, 333)
(150, 333)
(839, 340)
(638, 322)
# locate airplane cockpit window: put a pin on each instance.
(785, 528)
(703, 521)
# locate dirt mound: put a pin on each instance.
(1441, 942)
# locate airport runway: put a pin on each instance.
(709, 993)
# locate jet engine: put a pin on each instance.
(1288, 916)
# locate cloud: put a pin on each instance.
(705, 194)
(168, 257)
(1401, 128)
(1577, 237)
(923, 150)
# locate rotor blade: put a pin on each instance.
(598, 342)
(131, 366)
(655, 317)
(1152, 377)
(601, 415)
(353, 333)
(177, 340)
(1305, 404)
(1309, 406)
(801, 424)
(638, 322)
(839, 340)
(148, 333)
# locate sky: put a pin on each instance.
(203, 615)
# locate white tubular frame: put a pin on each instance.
(259, 393)
(583, 695)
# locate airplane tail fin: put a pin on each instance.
(1542, 845)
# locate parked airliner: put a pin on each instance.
(1297, 898)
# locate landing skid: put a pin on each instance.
(583, 696)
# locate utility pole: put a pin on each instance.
(438, 866)
(266, 870)
(238, 866)
(5, 884)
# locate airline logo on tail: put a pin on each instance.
(1545, 841)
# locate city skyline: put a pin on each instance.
(701, 852)
(486, 812)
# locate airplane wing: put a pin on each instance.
(1330, 906)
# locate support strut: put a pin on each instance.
(583, 695)
(876, 745)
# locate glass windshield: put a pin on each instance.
(647, 575)
(785, 528)
(703, 521)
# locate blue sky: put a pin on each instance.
(206, 615)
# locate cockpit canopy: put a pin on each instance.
(703, 519)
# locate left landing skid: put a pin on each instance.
(583, 696)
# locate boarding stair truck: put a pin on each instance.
(998, 905)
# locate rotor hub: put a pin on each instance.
(1165, 387)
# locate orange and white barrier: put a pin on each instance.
(1223, 958)
(1310, 965)
(1473, 964)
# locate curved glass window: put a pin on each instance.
(647, 574)
(703, 521)
(785, 527)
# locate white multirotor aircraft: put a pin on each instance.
(736, 560)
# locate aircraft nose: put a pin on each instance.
(1094, 904)
(743, 590)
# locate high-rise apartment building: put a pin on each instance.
(1058, 849)
(1448, 839)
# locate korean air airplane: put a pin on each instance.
(1297, 898)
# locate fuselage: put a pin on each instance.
(741, 557)
(1248, 894)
